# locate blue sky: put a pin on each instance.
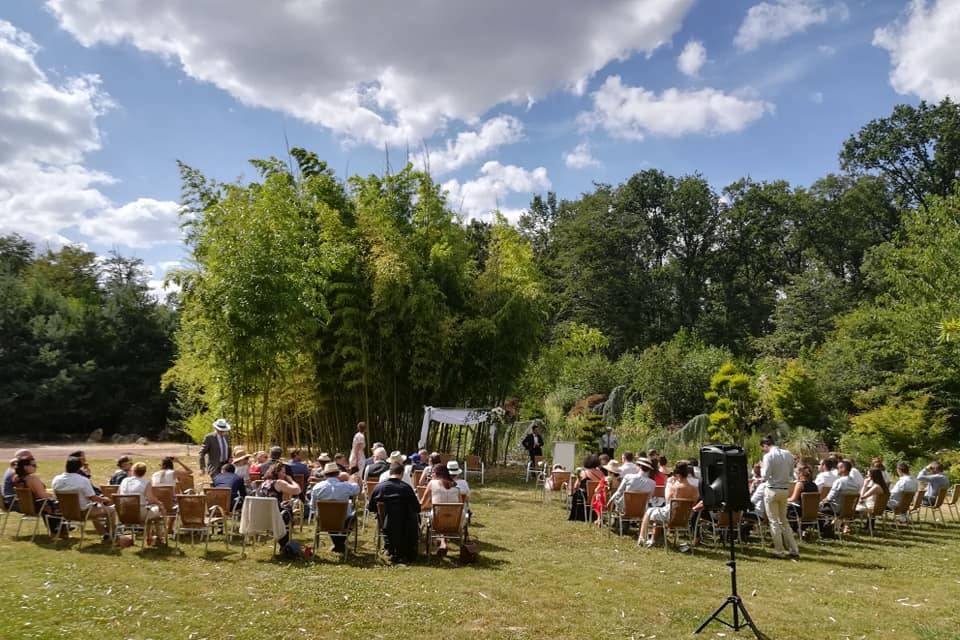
(98, 100)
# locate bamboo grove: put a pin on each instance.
(311, 304)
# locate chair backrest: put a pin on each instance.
(660, 492)
(417, 474)
(185, 484)
(558, 478)
(472, 463)
(70, 505)
(941, 497)
(955, 496)
(25, 500)
(128, 509)
(918, 498)
(810, 506)
(635, 503)
(537, 460)
(447, 518)
(679, 513)
(445, 458)
(371, 485)
(880, 505)
(420, 491)
(301, 480)
(164, 496)
(824, 490)
(904, 504)
(192, 509)
(109, 490)
(848, 505)
(331, 515)
(723, 519)
(592, 489)
(219, 497)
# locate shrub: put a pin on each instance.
(733, 404)
(795, 400)
(909, 428)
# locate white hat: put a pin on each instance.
(453, 468)
(397, 458)
(221, 425)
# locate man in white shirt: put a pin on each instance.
(72, 481)
(640, 482)
(608, 442)
(777, 472)
(855, 474)
(843, 484)
(905, 484)
(828, 473)
(627, 465)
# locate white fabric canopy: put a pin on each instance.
(453, 416)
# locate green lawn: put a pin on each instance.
(539, 577)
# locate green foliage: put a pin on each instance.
(795, 398)
(909, 428)
(591, 428)
(733, 402)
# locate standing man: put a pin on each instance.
(608, 443)
(215, 450)
(776, 471)
(533, 443)
(357, 456)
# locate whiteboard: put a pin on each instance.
(564, 453)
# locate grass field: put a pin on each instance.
(539, 577)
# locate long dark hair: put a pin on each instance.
(441, 473)
(876, 476)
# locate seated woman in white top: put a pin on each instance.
(168, 476)
(138, 485)
(875, 488)
(440, 490)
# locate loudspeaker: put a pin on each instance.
(723, 478)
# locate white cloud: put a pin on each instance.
(46, 128)
(773, 21)
(471, 146)
(924, 50)
(396, 74)
(633, 112)
(580, 157)
(140, 224)
(693, 56)
(479, 198)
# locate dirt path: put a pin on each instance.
(101, 451)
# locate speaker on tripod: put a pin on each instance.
(723, 486)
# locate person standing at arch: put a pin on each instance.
(357, 455)
(215, 450)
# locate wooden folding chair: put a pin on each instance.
(899, 514)
(952, 503)
(30, 510)
(130, 518)
(331, 518)
(165, 496)
(193, 516)
(557, 481)
(678, 522)
(592, 486)
(369, 486)
(474, 465)
(379, 534)
(937, 507)
(417, 474)
(534, 466)
(634, 506)
(868, 519)
(6, 510)
(848, 511)
(109, 490)
(219, 498)
(717, 524)
(71, 513)
(448, 522)
(917, 504)
(824, 491)
(184, 485)
(809, 512)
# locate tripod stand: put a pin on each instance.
(733, 600)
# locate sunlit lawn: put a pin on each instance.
(539, 576)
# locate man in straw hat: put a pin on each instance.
(398, 458)
(457, 474)
(215, 450)
(332, 488)
(639, 482)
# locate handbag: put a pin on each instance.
(469, 553)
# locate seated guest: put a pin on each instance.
(627, 465)
(241, 463)
(370, 459)
(843, 484)
(421, 460)
(9, 493)
(757, 476)
(138, 485)
(694, 465)
(332, 488)
(97, 507)
(277, 484)
(123, 470)
(427, 475)
(259, 458)
(378, 466)
(85, 470)
(396, 458)
(679, 489)
(442, 489)
(905, 484)
(692, 476)
(639, 482)
(275, 454)
(229, 478)
(297, 466)
(591, 471)
(168, 476)
(401, 515)
(933, 475)
(25, 476)
(664, 469)
(877, 463)
(855, 474)
(828, 473)
(804, 484)
(457, 474)
(341, 461)
(874, 489)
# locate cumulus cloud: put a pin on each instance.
(773, 21)
(471, 146)
(140, 224)
(581, 157)
(46, 128)
(396, 74)
(634, 112)
(481, 197)
(924, 49)
(693, 56)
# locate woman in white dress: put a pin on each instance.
(138, 485)
(441, 489)
(168, 476)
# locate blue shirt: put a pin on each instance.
(333, 489)
(235, 482)
(935, 482)
(8, 489)
(298, 468)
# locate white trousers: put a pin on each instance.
(775, 502)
